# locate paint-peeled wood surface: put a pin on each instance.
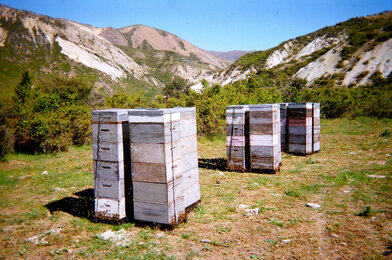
(189, 161)
(156, 172)
(110, 170)
(188, 127)
(188, 144)
(110, 208)
(235, 130)
(154, 133)
(109, 116)
(112, 152)
(235, 141)
(111, 133)
(159, 213)
(265, 140)
(264, 151)
(155, 153)
(264, 128)
(109, 188)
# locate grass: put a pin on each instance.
(354, 220)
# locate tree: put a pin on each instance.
(176, 87)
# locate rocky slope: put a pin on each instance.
(137, 55)
(351, 52)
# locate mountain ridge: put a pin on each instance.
(350, 52)
(104, 50)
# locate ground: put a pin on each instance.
(49, 214)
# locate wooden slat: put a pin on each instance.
(110, 170)
(112, 152)
(110, 133)
(109, 188)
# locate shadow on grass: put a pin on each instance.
(218, 164)
(83, 205)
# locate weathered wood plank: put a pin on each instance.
(110, 133)
(109, 170)
(154, 133)
(108, 116)
(110, 208)
(265, 140)
(159, 213)
(112, 152)
(235, 141)
(263, 129)
(155, 153)
(109, 188)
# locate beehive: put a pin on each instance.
(237, 137)
(156, 162)
(111, 164)
(300, 120)
(316, 127)
(264, 141)
(283, 126)
(189, 155)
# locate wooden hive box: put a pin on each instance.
(189, 155)
(283, 126)
(237, 137)
(264, 131)
(300, 120)
(316, 127)
(111, 163)
(156, 165)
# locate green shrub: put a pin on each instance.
(50, 117)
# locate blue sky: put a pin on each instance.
(220, 25)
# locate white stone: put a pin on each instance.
(313, 205)
(377, 176)
(243, 206)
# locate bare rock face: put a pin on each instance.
(143, 36)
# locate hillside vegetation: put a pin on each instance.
(349, 53)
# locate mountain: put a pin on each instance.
(131, 58)
(350, 53)
(229, 55)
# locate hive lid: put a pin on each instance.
(307, 105)
(109, 115)
(263, 107)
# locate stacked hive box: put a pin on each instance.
(264, 130)
(316, 127)
(300, 122)
(283, 126)
(157, 176)
(189, 156)
(111, 163)
(237, 128)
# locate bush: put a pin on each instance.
(51, 116)
(5, 138)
